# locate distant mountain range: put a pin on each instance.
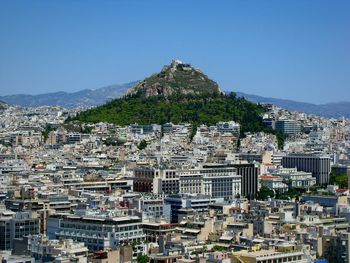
(88, 98)
(330, 110)
(83, 98)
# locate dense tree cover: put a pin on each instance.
(292, 192)
(142, 145)
(179, 108)
(142, 259)
(281, 136)
(315, 189)
(218, 248)
(111, 141)
(264, 193)
(340, 179)
(2, 142)
(48, 128)
(76, 126)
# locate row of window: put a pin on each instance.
(280, 260)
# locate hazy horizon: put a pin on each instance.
(119, 84)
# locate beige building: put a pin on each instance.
(119, 255)
(282, 253)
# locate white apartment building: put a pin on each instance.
(216, 181)
(98, 231)
(44, 249)
(298, 179)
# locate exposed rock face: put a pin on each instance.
(177, 78)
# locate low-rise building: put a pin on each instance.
(97, 231)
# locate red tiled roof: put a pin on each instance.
(266, 176)
(341, 190)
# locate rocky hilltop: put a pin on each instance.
(177, 78)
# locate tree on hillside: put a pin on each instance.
(142, 145)
(142, 259)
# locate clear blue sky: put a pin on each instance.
(297, 49)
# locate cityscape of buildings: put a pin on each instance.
(163, 193)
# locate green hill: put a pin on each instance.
(195, 109)
(184, 97)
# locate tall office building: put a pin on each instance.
(217, 181)
(15, 225)
(143, 179)
(319, 166)
(337, 248)
(212, 180)
(249, 182)
(220, 182)
(183, 205)
(166, 182)
(291, 127)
